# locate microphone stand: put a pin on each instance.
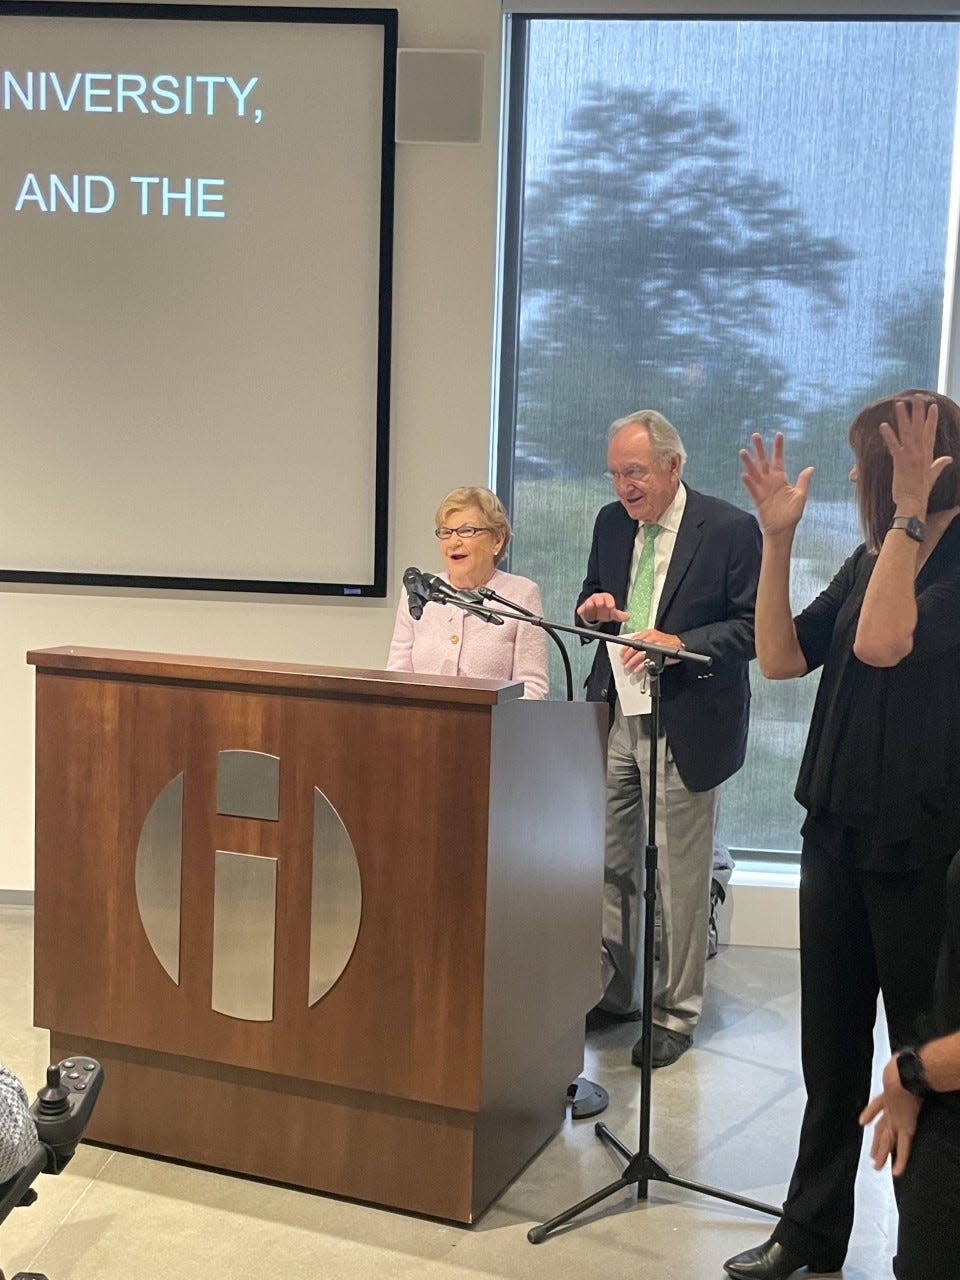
(441, 593)
(643, 1168)
(489, 594)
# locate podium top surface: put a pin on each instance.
(276, 676)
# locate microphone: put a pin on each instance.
(469, 601)
(413, 582)
(435, 585)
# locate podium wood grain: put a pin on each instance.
(437, 1064)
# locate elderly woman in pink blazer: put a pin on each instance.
(473, 530)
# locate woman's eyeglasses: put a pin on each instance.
(465, 531)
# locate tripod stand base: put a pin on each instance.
(587, 1098)
(641, 1170)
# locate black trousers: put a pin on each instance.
(861, 932)
(928, 1246)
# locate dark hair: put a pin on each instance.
(875, 469)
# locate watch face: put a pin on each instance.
(912, 526)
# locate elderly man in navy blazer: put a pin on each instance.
(677, 568)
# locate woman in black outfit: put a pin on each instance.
(880, 780)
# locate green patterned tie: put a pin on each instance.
(641, 594)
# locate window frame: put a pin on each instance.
(517, 24)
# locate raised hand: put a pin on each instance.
(915, 470)
(779, 503)
(601, 607)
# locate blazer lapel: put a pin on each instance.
(689, 536)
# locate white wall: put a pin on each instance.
(445, 243)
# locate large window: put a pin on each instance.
(743, 224)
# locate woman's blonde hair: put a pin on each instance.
(493, 510)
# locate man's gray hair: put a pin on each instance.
(664, 436)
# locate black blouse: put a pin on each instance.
(883, 751)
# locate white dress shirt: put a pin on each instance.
(632, 691)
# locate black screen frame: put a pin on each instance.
(387, 19)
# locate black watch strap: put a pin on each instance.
(910, 1069)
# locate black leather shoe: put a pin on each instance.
(666, 1049)
(598, 1019)
(769, 1261)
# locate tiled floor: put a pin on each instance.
(726, 1115)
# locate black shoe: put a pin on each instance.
(598, 1018)
(667, 1047)
(769, 1261)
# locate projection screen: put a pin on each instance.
(195, 267)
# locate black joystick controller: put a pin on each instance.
(63, 1108)
(61, 1112)
(54, 1100)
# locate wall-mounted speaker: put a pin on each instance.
(439, 95)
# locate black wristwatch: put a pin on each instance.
(912, 526)
(912, 1077)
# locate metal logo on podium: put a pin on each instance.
(245, 889)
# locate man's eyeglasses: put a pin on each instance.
(465, 531)
(629, 475)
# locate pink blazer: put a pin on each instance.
(448, 642)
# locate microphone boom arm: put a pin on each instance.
(444, 594)
(489, 594)
(592, 633)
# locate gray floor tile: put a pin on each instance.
(726, 1115)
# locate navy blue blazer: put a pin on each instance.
(708, 600)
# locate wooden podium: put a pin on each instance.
(434, 1061)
